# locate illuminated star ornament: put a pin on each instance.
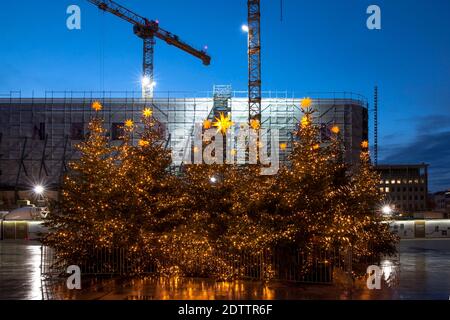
(365, 144)
(147, 112)
(283, 146)
(223, 123)
(97, 106)
(255, 124)
(335, 129)
(306, 103)
(129, 123)
(207, 124)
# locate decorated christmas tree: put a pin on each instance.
(82, 219)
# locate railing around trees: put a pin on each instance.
(292, 265)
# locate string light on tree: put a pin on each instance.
(255, 124)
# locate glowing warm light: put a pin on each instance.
(207, 124)
(365, 144)
(97, 106)
(306, 103)
(316, 147)
(147, 112)
(255, 124)
(233, 152)
(335, 129)
(39, 189)
(283, 146)
(213, 179)
(245, 28)
(129, 123)
(143, 143)
(305, 121)
(223, 123)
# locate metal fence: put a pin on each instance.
(281, 264)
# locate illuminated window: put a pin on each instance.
(387, 189)
(393, 181)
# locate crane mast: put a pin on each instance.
(148, 30)
(254, 59)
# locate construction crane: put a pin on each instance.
(254, 60)
(147, 30)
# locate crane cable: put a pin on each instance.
(281, 10)
(102, 53)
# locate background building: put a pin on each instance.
(38, 135)
(406, 186)
(441, 202)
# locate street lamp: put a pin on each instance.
(39, 190)
(387, 210)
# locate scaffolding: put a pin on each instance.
(38, 135)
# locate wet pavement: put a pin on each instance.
(424, 274)
(20, 274)
(425, 270)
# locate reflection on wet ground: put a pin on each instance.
(425, 270)
(424, 274)
(20, 274)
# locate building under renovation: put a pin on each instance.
(38, 135)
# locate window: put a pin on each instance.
(387, 189)
(117, 131)
(77, 131)
(393, 181)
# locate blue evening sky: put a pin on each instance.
(321, 45)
